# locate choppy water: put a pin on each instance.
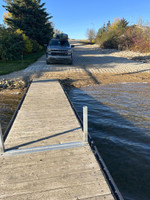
(119, 122)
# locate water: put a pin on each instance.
(119, 123)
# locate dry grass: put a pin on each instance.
(78, 79)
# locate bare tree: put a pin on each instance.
(140, 21)
(57, 31)
(91, 34)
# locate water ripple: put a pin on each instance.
(119, 122)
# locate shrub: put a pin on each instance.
(137, 39)
(110, 39)
(31, 46)
(28, 45)
(112, 35)
(140, 41)
(110, 43)
(119, 36)
(100, 33)
(36, 46)
(11, 44)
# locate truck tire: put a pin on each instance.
(70, 63)
(47, 62)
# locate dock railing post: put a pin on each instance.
(85, 123)
(2, 149)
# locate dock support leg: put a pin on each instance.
(85, 124)
(2, 149)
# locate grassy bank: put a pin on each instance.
(7, 67)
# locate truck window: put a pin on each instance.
(55, 43)
(65, 43)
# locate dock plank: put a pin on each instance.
(73, 174)
(47, 111)
(46, 118)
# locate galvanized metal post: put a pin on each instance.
(2, 149)
(85, 124)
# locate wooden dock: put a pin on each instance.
(45, 156)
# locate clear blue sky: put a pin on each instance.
(76, 16)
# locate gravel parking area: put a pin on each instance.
(91, 65)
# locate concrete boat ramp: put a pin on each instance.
(45, 156)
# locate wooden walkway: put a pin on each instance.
(45, 156)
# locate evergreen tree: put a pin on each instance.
(101, 30)
(104, 27)
(108, 24)
(123, 23)
(8, 1)
(11, 44)
(30, 17)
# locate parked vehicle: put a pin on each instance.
(59, 50)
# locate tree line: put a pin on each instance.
(119, 35)
(27, 28)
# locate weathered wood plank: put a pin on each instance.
(47, 118)
(47, 112)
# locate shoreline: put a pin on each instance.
(76, 79)
(83, 79)
(92, 66)
(84, 72)
(11, 96)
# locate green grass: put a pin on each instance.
(7, 67)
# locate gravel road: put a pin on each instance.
(88, 58)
